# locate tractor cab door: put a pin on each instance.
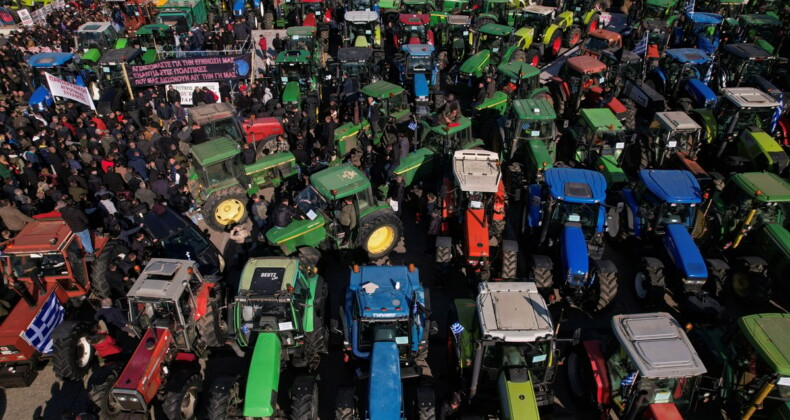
(185, 332)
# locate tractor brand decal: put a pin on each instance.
(348, 175)
(190, 70)
(267, 280)
(383, 315)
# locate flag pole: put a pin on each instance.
(126, 79)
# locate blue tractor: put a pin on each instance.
(683, 75)
(660, 211)
(701, 30)
(65, 66)
(565, 220)
(385, 327)
(422, 69)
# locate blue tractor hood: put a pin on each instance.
(385, 388)
(574, 252)
(684, 252)
(420, 85)
(703, 96)
(41, 98)
(708, 45)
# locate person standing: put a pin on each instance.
(78, 222)
(372, 115)
(13, 219)
(173, 95)
(347, 219)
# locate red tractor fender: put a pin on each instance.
(143, 373)
(202, 299)
(617, 107)
(309, 20)
(262, 128)
(328, 15)
(499, 202)
(662, 411)
(603, 389)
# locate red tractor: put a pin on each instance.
(479, 198)
(581, 84)
(46, 276)
(413, 30)
(177, 312)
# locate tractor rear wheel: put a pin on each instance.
(752, 284)
(594, 22)
(268, 20)
(497, 228)
(209, 325)
(426, 403)
(304, 402)
(345, 403)
(580, 376)
(650, 285)
(379, 235)
(542, 277)
(72, 355)
(533, 57)
(573, 36)
(226, 207)
(509, 264)
(181, 402)
(224, 399)
(605, 287)
(99, 283)
(100, 392)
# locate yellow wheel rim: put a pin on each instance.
(741, 283)
(380, 239)
(229, 211)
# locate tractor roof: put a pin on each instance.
(361, 16)
(765, 187)
(459, 20)
(43, 236)
(585, 64)
(163, 279)
(657, 345)
(601, 119)
(654, 25)
(477, 170)
(513, 312)
(414, 19)
(418, 50)
(386, 291)
(460, 125)
(672, 186)
(293, 56)
(94, 27)
(268, 275)
(760, 20)
(746, 51)
(350, 54)
(605, 34)
(150, 29)
(662, 3)
(518, 70)
(676, 120)
(576, 185)
(213, 151)
(339, 181)
(767, 333)
(539, 9)
(47, 60)
(382, 89)
(205, 114)
(620, 55)
(688, 55)
(749, 97)
(706, 18)
(300, 31)
(495, 29)
(534, 109)
(122, 55)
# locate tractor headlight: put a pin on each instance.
(328, 77)
(672, 144)
(422, 98)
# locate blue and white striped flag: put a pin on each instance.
(39, 332)
(413, 126)
(690, 7)
(709, 74)
(777, 113)
(628, 380)
(457, 328)
(641, 48)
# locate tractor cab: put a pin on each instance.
(456, 35)
(363, 29)
(354, 62)
(683, 74)
(493, 11)
(111, 63)
(393, 102)
(311, 13)
(658, 9)
(672, 132)
(658, 34)
(702, 31)
(303, 38)
(417, 6)
(505, 361)
(446, 139)
(294, 72)
(153, 39)
(65, 66)
(746, 65)
(764, 30)
(573, 197)
(515, 79)
(94, 38)
(138, 13)
(584, 77)
(622, 65)
(414, 30)
(599, 40)
(363, 5)
(600, 143)
(533, 131)
(492, 44)
(422, 70)
(739, 109)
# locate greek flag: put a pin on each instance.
(525, 126)
(777, 113)
(413, 126)
(628, 380)
(39, 332)
(690, 7)
(641, 48)
(709, 74)
(457, 328)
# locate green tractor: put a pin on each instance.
(745, 224)
(515, 80)
(154, 38)
(303, 38)
(529, 145)
(182, 15)
(378, 229)
(492, 44)
(764, 30)
(746, 65)
(220, 183)
(503, 348)
(278, 315)
(93, 39)
(750, 359)
(363, 30)
(295, 72)
(455, 38)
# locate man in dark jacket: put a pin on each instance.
(78, 222)
(173, 95)
(283, 214)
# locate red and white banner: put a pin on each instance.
(64, 89)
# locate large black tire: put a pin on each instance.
(345, 403)
(605, 288)
(304, 402)
(717, 281)
(209, 326)
(72, 356)
(226, 207)
(752, 284)
(580, 377)
(509, 265)
(99, 392)
(573, 36)
(315, 341)
(223, 398)
(650, 285)
(268, 20)
(384, 223)
(426, 403)
(443, 255)
(497, 228)
(542, 277)
(181, 401)
(115, 249)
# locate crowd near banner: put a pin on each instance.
(24, 17)
(186, 89)
(64, 89)
(190, 70)
(40, 15)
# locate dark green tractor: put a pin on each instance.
(294, 71)
(529, 143)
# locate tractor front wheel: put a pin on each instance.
(426, 403)
(304, 401)
(573, 36)
(224, 400)
(555, 45)
(752, 284)
(580, 377)
(649, 285)
(100, 392)
(226, 207)
(72, 355)
(268, 21)
(209, 325)
(605, 286)
(541, 276)
(315, 340)
(533, 57)
(181, 402)
(380, 235)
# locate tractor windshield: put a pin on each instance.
(769, 33)
(596, 44)
(735, 120)
(535, 20)
(26, 265)
(679, 72)
(676, 213)
(310, 202)
(295, 73)
(541, 129)
(685, 141)
(355, 69)
(491, 42)
(394, 104)
(217, 172)
(302, 42)
(223, 128)
(606, 141)
(419, 64)
(179, 23)
(653, 11)
(315, 8)
(584, 214)
(88, 40)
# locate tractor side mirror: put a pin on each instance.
(433, 328)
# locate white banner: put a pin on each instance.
(68, 90)
(24, 16)
(186, 89)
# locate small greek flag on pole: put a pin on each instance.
(457, 328)
(641, 48)
(690, 7)
(525, 126)
(777, 113)
(709, 74)
(413, 126)
(628, 380)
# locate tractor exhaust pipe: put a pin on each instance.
(761, 396)
(21, 289)
(476, 370)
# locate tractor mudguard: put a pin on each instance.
(64, 330)
(498, 102)
(702, 95)
(517, 394)
(753, 261)
(588, 17)
(509, 246)
(537, 92)
(263, 377)
(297, 234)
(464, 343)
(594, 350)
(708, 122)
(202, 300)
(564, 20)
(762, 43)
(574, 252)
(416, 166)
(651, 262)
(476, 64)
(542, 262)
(550, 33)
(535, 205)
(525, 37)
(385, 388)
(611, 170)
(476, 233)
(685, 253)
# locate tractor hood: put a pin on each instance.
(416, 166)
(297, 233)
(495, 101)
(476, 234)
(263, 377)
(420, 85)
(517, 394)
(684, 252)
(385, 388)
(704, 96)
(575, 263)
(708, 45)
(291, 93)
(475, 64)
(765, 45)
